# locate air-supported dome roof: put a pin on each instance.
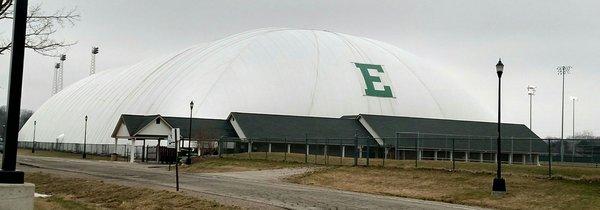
(275, 70)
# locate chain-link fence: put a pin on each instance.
(452, 153)
(542, 156)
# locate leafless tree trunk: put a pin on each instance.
(40, 28)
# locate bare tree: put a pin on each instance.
(40, 28)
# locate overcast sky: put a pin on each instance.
(532, 37)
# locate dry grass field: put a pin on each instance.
(76, 193)
(572, 187)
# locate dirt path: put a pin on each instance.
(258, 189)
(264, 175)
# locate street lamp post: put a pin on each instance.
(189, 156)
(176, 137)
(499, 185)
(562, 71)
(9, 174)
(85, 136)
(33, 142)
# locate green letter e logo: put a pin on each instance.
(371, 80)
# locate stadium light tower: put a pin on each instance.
(499, 185)
(93, 62)
(59, 85)
(531, 93)
(562, 71)
(55, 79)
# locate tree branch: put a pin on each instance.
(40, 28)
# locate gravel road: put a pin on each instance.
(260, 189)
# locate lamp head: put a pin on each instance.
(86, 118)
(57, 66)
(94, 50)
(531, 89)
(499, 67)
(63, 57)
(191, 104)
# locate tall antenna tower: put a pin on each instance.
(59, 84)
(93, 63)
(55, 79)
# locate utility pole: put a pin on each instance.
(93, 62)
(562, 71)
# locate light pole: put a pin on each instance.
(573, 98)
(33, 142)
(63, 57)
(85, 136)
(93, 61)
(189, 156)
(55, 80)
(562, 71)
(499, 185)
(531, 93)
(176, 136)
(9, 174)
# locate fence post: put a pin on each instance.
(452, 156)
(220, 145)
(385, 152)
(286, 151)
(355, 148)
(306, 148)
(316, 148)
(267, 149)
(325, 152)
(593, 155)
(417, 151)
(368, 151)
(530, 151)
(396, 149)
(549, 158)
(573, 149)
(342, 152)
(512, 151)
(249, 148)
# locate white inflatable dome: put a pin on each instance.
(275, 70)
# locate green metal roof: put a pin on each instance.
(297, 128)
(439, 133)
(202, 128)
(135, 123)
